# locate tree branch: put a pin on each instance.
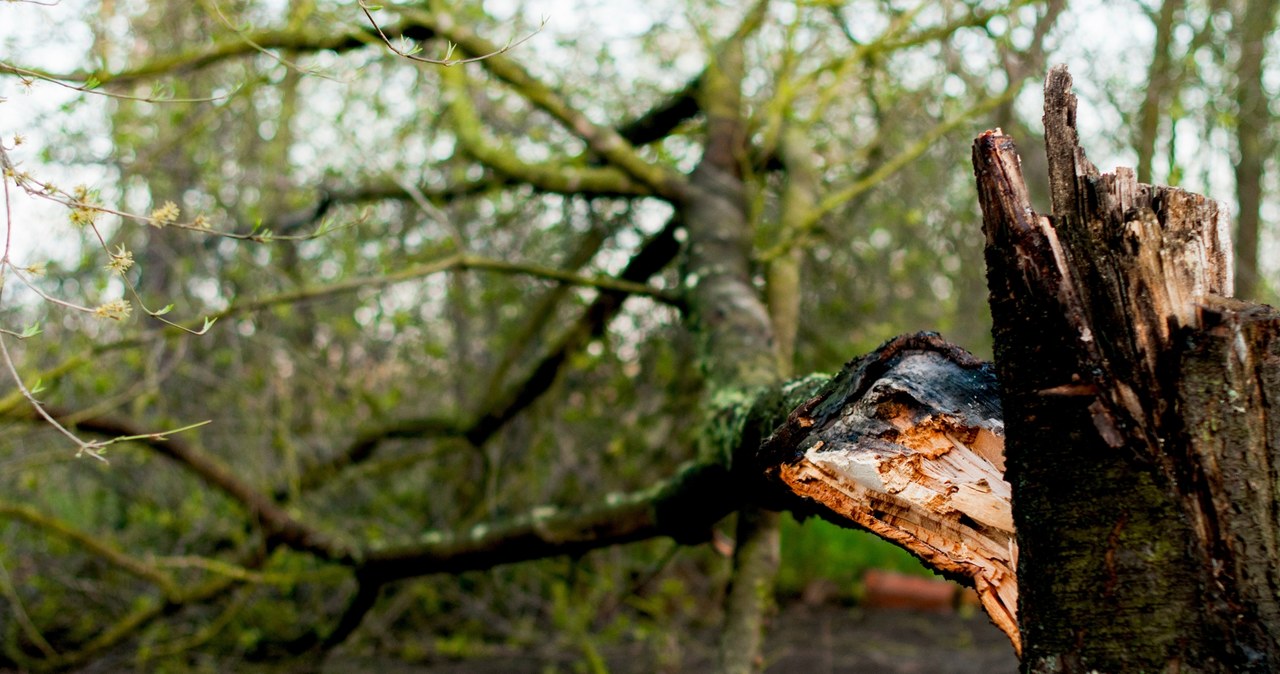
(93, 545)
(144, 611)
(660, 120)
(366, 443)
(387, 188)
(248, 44)
(504, 405)
(683, 507)
(457, 262)
(602, 140)
(552, 177)
(278, 526)
(544, 311)
(501, 407)
(804, 226)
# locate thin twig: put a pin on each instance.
(446, 61)
(216, 8)
(90, 87)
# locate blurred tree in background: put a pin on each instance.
(472, 314)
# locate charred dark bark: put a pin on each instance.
(1141, 447)
(908, 443)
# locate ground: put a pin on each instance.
(805, 638)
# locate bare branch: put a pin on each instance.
(447, 60)
(456, 262)
(806, 225)
(555, 177)
(279, 526)
(503, 405)
(602, 140)
(91, 86)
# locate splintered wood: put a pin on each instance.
(908, 443)
(1140, 403)
(1128, 264)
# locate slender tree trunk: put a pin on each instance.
(737, 335)
(1160, 89)
(1253, 120)
(1142, 446)
(750, 600)
(758, 551)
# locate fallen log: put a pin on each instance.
(908, 442)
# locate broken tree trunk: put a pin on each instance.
(907, 442)
(1143, 446)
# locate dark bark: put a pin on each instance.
(907, 442)
(1228, 390)
(1133, 557)
(659, 121)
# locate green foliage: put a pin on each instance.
(817, 550)
(253, 118)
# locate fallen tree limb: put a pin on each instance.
(908, 442)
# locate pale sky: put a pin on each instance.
(1110, 41)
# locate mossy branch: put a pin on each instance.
(91, 544)
(602, 140)
(683, 507)
(245, 44)
(553, 177)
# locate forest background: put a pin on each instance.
(448, 296)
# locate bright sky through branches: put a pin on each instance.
(67, 138)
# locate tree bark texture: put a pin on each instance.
(1142, 443)
(734, 325)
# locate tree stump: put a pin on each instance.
(1143, 443)
(1139, 429)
